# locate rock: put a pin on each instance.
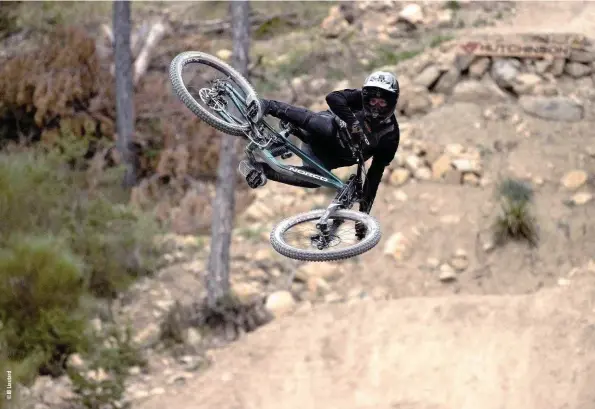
(454, 149)
(413, 162)
(179, 378)
(333, 298)
(437, 100)
(428, 76)
(546, 89)
(75, 361)
(574, 179)
(447, 81)
(419, 104)
(416, 102)
(441, 166)
(246, 292)
(557, 67)
(445, 17)
(280, 303)
(479, 67)
(504, 71)
(463, 61)
(432, 262)
(581, 198)
(471, 179)
(98, 375)
(334, 24)
(432, 152)
(412, 13)
(577, 70)
(460, 261)
(525, 83)
(582, 56)
(466, 165)
(224, 54)
(541, 66)
(157, 391)
(193, 337)
(423, 173)
(447, 273)
(453, 176)
(474, 91)
(397, 246)
(552, 108)
(399, 196)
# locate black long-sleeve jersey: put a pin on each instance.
(383, 137)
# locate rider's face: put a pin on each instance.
(378, 102)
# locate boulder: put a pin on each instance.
(504, 71)
(552, 108)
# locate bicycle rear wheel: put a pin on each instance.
(216, 113)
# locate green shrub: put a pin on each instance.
(61, 243)
(114, 356)
(39, 194)
(41, 283)
(515, 220)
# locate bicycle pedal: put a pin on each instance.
(256, 179)
(253, 175)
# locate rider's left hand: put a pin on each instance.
(360, 230)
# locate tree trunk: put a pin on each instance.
(217, 281)
(124, 88)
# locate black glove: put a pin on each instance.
(356, 132)
(360, 230)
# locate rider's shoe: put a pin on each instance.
(252, 105)
(253, 174)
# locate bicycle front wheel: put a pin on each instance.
(297, 237)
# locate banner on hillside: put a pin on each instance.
(512, 49)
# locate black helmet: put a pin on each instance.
(380, 94)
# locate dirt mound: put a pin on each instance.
(549, 17)
(531, 351)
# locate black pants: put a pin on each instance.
(319, 129)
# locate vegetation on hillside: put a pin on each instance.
(62, 244)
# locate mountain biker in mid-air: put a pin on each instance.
(369, 115)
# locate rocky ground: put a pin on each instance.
(466, 123)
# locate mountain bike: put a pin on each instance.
(231, 105)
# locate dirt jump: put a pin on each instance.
(529, 351)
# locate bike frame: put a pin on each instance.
(347, 192)
(323, 177)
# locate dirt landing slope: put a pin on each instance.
(549, 17)
(470, 352)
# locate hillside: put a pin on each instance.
(437, 316)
